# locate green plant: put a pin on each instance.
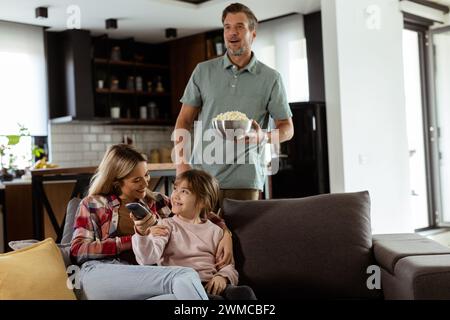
(12, 140)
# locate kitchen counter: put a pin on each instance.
(76, 170)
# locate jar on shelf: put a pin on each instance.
(116, 54)
(152, 110)
(130, 83)
(143, 112)
(149, 86)
(114, 83)
(154, 156)
(159, 86)
(138, 83)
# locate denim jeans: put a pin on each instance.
(117, 280)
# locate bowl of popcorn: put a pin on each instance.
(232, 124)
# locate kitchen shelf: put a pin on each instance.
(128, 121)
(130, 64)
(132, 92)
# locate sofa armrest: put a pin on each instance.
(412, 267)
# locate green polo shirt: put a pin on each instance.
(217, 86)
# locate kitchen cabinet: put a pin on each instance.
(87, 76)
(133, 78)
(185, 54)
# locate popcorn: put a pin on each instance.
(231, 115)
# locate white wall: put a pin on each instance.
(84, 144)
(366, 116)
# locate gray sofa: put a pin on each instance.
(322, 247)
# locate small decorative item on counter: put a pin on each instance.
(152, 110)
(100, 84)
(116, 54)
(149, 86)
(114, 83)
(43, 164)
(159, 86)
(143, 112)
(165, 155)
(130, 83)
(138, 83)
(155, 157)
(115, 112)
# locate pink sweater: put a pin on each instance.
(187, 245)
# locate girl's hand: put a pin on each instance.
(143, 226)
(159, 230)
(224, 252)
(216, 285)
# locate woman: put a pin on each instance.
(103, 228)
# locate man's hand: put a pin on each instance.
(143, 226)
(216, 285)
(182, 167)
(256, 136)
(224, 254)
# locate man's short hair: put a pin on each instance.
(239, 7)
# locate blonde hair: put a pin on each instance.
(204, 186)
(117, 163)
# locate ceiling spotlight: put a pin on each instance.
(41, 13)
(111, 24)
(171, 33)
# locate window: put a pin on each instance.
(281, 45)
(23, 86)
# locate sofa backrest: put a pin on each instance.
(315, 247)
(72, 208)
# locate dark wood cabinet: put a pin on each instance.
(185, 54)
(131, 76)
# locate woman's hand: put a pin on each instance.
(143, 226)
(224, 252)
(159, 230)
(216, 285)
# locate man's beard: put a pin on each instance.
(237, 53)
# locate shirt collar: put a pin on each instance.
(113, 200)
(250, 67)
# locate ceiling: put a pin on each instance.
(145, 20)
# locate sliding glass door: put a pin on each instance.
(439, 53)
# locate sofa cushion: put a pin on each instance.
(419, 277)
(63, 247)
(390, 248)
(72, 208)
(303, 248)
(34, 272)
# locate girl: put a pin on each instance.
(103, 228)
(189, 239)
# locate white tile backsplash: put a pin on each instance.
(84, 144)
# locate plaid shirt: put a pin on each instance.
(95, 228)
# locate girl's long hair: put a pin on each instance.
(205, 187)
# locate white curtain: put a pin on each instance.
(23, 79)
(281, 45)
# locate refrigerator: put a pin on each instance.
(303, 168)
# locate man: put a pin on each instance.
(236, 82)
